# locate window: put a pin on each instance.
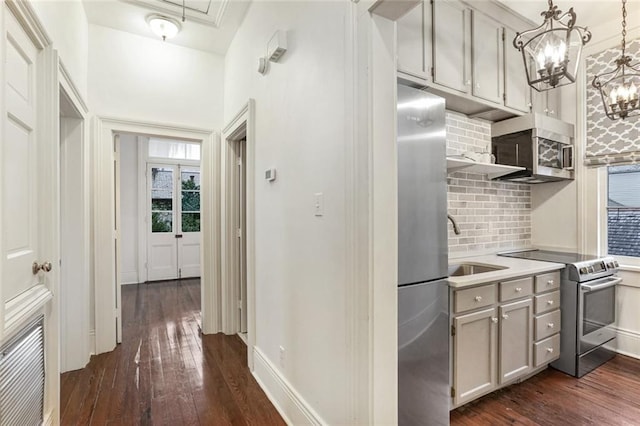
(176, 150)
(623, 211)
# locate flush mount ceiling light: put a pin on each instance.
(163, 26)
(551, 52)
(619, 88)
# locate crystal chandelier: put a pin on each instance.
(619, 88)
(551, 52)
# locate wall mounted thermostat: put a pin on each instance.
(277, 46)
(270, 175)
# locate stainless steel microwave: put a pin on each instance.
(542, 145)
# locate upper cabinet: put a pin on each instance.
(465, 53)
(487, 54)
(451, 52)
(414, 40)
(517, 93)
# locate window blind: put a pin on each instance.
(609, 142)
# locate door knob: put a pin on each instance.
(35, 268)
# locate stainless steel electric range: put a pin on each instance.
(588, 308)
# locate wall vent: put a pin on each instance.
(22, 377)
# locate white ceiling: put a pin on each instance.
(589, 13)
(210, 25)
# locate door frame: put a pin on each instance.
(75, 353)
(104, 246)
(241, 126)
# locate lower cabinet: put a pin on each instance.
(502, 332)
(516, 329)
(475, 358)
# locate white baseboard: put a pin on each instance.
(130, 277)
(92, 342)
(289, 403)
(628, 343)
(50, 418)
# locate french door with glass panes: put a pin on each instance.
(173, 222)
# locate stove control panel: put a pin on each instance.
(592, 269)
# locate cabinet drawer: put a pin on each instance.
(472, 298)
(547, 302)
(547, 324)
(546, 350)
(546, 282)
(510, 290)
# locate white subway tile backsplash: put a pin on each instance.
(492, 215)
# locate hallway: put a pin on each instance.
(165, 372)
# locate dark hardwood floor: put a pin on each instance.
(165, 372)
(609, 395)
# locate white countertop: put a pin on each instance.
(513, 268)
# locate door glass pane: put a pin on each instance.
(190, 222)
(161, 199)
(190, 200)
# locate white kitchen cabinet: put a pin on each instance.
(487, 58)
(475, 362)
(451, 45)
(516, 338)
(517, 93)
(502, 332)
(414, 42)
(546, 102)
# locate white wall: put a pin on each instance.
(300, 258)
(129, 209)
(67, 26)
(143, 79)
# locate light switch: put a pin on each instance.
(318, 204)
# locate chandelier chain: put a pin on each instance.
(624, 26)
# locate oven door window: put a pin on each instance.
(549, 153)
(599, 309)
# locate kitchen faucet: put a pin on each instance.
(455, 225)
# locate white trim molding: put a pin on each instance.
(242, 125)
(628, 343)
(289, 403)
(104, 243)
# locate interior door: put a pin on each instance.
(20, 170)
(188, 241)
(242, 231)
(162, 256)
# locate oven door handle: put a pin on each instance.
(593, 287)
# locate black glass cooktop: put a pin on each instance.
(549, 256)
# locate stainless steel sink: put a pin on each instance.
(462, 269)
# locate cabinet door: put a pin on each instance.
(517, 93)
(487, 58)
(451, 40)
(516, 339)
(546, 102)
(475, 355)
(414, 38)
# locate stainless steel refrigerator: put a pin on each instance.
(423, 294)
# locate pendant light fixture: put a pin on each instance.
(619, 88)
(551, 52)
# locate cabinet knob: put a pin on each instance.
(550, 282)
(550, 350)
(550, 325)
(478, 298)
(505, 316)
(549, 302)
(518, 289)
(494, 320)
(467, 83)
(477, 85)
(546, 110)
